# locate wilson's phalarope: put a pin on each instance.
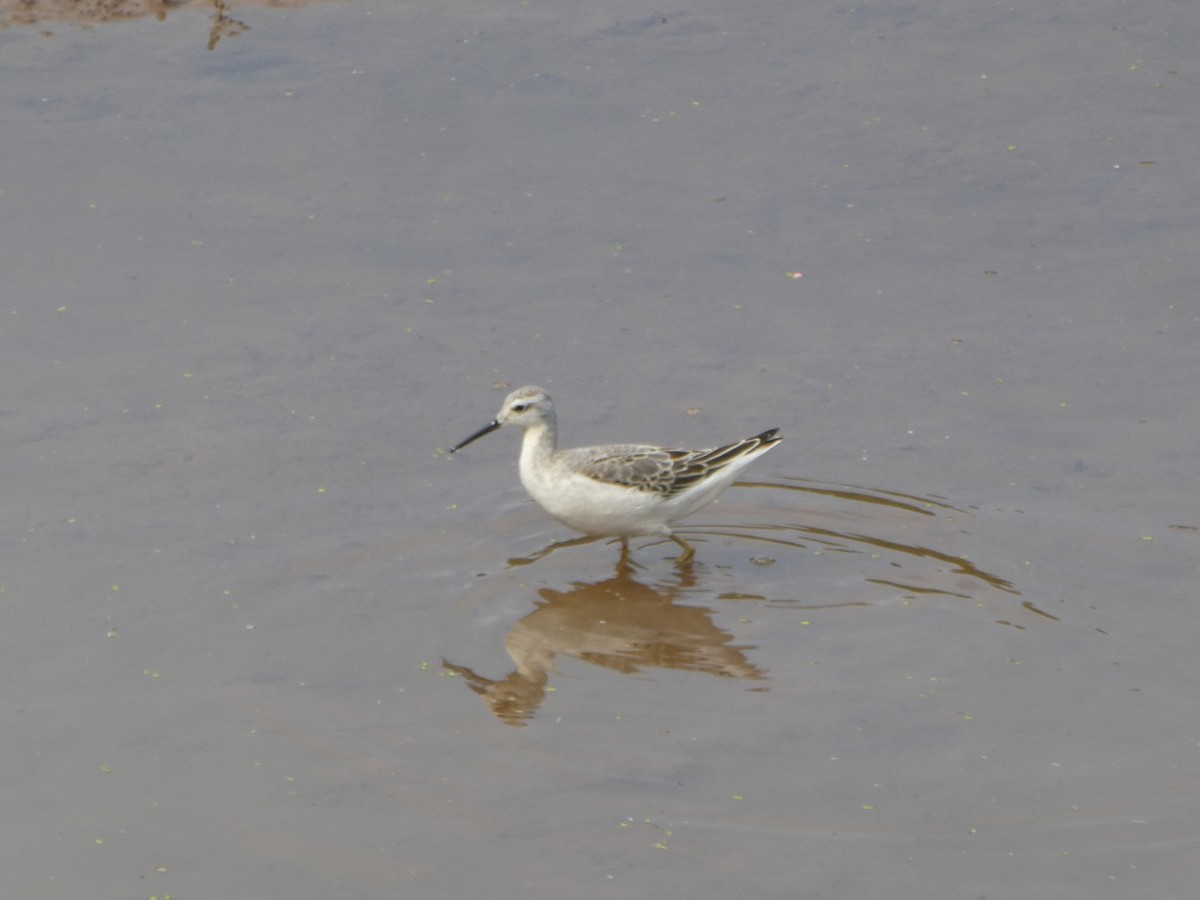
(617, 490)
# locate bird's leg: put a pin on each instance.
(688, 550)
(624, 564)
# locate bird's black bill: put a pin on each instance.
(486, 429)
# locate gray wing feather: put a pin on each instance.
(668, 472)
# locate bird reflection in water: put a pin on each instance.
(619, 624)
(904, 548)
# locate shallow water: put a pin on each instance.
(264, 638)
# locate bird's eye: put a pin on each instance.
(520, 407)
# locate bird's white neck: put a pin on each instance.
(537, 447)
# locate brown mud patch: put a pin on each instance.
(90, 12)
